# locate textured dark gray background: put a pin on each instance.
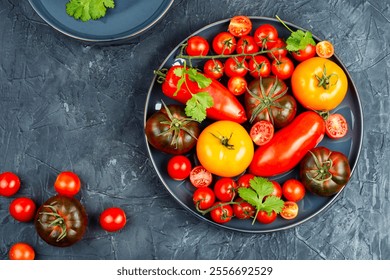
(69, 105)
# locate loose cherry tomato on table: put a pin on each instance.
(225, 189)
(259, 66)
(262, 132)
(197, 46)
(9, 184)
(200, 177)
(265, 218)
(282, 68)
(324, 49)
(22, 209)
(213, 68)
(67, 183)
(240, 26)
(290, 210)
(221, 213)
(237, 85)
(203, 198)
(112, 219)
(308, 52)
(244, 180)
(179, 167)
(266, 36)
(21, 251)
(247, 45)
(224, 43)
(236, 66)
(243, 210)
(293, 190)
(336, 126)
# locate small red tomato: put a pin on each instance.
(293, 190)
(282, 68)
(247, 45)
(237, 85)
(244, 180)
(67, 183)
(203, 198)
(179, 167)
(243, 210)
(336, 126)
(21, 251)
(324, 49)
(236, 66)
(200, 177)
(197, 46)
(262, 132)
(9, 184)
(265, 218)
(266, 36)
(221, 213)
(225, 189)
(240, 26)
(278, 50)
(302, 55)
(277, 189)
(213, 68)
(112, 219)
(290, 210)
(22, 209)
(224, 43)
(259, 66)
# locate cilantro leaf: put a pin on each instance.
(196, 106)
(298, 40)
(88, 9)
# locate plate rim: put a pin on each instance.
(257, 231)
(102, 40)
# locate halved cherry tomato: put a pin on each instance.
(197, 45)
(259, 66)
(290, 210)
(236, 66)
(21, 251)
(200, 177)
(324, 49)
(9, 184)
(243, 210)
(308, 52)
(336, 126)
(203, 198)
(179, 167)
(265, 218)
(22, 209)
(237, 85)
(282, 68)
(293, 190)
(266, 36)
(213, 68)
(221, 213)
(262, 132)
(243, 181)
(225, 189)
(224, 43)
(240, 26)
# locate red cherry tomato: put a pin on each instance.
(200, 177)
(247, 45)
(21, 251)
(282, 68)
(324, 49)
(259, 66)
(67, 183)
(265, 218)
(277, 189)
(266, 36)
(262, 132)
(179, 167)
(293, 190)
(240, 26)
(278, 50)
(203, 198)
(9, 184)
(213, 68)
(308, 52)
(336, 126)
(221, 214)
(290, 210)
(225, 189)
(197, 46)
(243, 210)
(244, 180)
(224, 43)
(112, 219)
(237, 85)
(22, 209)
(236, 66)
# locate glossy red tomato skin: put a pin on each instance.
(22, 209)
(265, 36)
(21, 251)
(278, 192)
(240, 26)
(259, 66)
(112, 219)
(265, 218)
(9, 184)
(213, 68)
(179, 167)
(243, 210)
(203, 198)
(67, 183)
(225, 189)
(221, 214)
(293, 190)
(197, 46)
(246, 45)
(224, 43)
(336, 126)
(278, 50)
(244, 180)
(200, 177)
(262, 132)
(282, 68)
(288, 146)
(302, 55)
(236, 67)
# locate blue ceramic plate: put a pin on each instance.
(311, 205)
(129, 18)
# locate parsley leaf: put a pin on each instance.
(199, 78)
(196, 106)
(88, 9)
(298, 40)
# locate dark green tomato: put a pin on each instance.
(171, 131)
(267, 99)
(324, 172)
(61, 221)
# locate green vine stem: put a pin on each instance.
(57, 222)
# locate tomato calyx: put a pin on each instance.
(58, 221)
(323, 173)
(217, 205)
(324, 81)
(224, 140)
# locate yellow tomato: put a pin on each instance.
(225, 148)
(319, 84)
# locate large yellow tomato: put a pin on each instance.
(319, 84)
(225, 148)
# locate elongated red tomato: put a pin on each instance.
(226, 105)
(289, 145)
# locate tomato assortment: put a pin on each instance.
(285, 95)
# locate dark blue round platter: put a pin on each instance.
(311, 205)
(127, 19)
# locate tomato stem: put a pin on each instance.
(284, 24)
(224, 140)
(189, 57)
(204, 212)
(324, 81)
(57, 222)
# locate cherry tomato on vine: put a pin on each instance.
(290, 210)
(259, 66)
(9, 184)
(225, 189)
(282, 68)
(240, 26)
(308, 52)
(237, 85)
(203, 198)
(243, 210)
(262, 132)
(293, 190)
(265, 218)
(278, 50)
(224, 43)
(179, 167)
(21, 251)
(221, 214)
(112, 219)
(244, 180)
(213, 68)
(67, 183)
(236, 66)
(200, 177)
(336, 126)
(197, 46)
(266, 36)
(22, 209)
(247, 45)
(324, 49)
